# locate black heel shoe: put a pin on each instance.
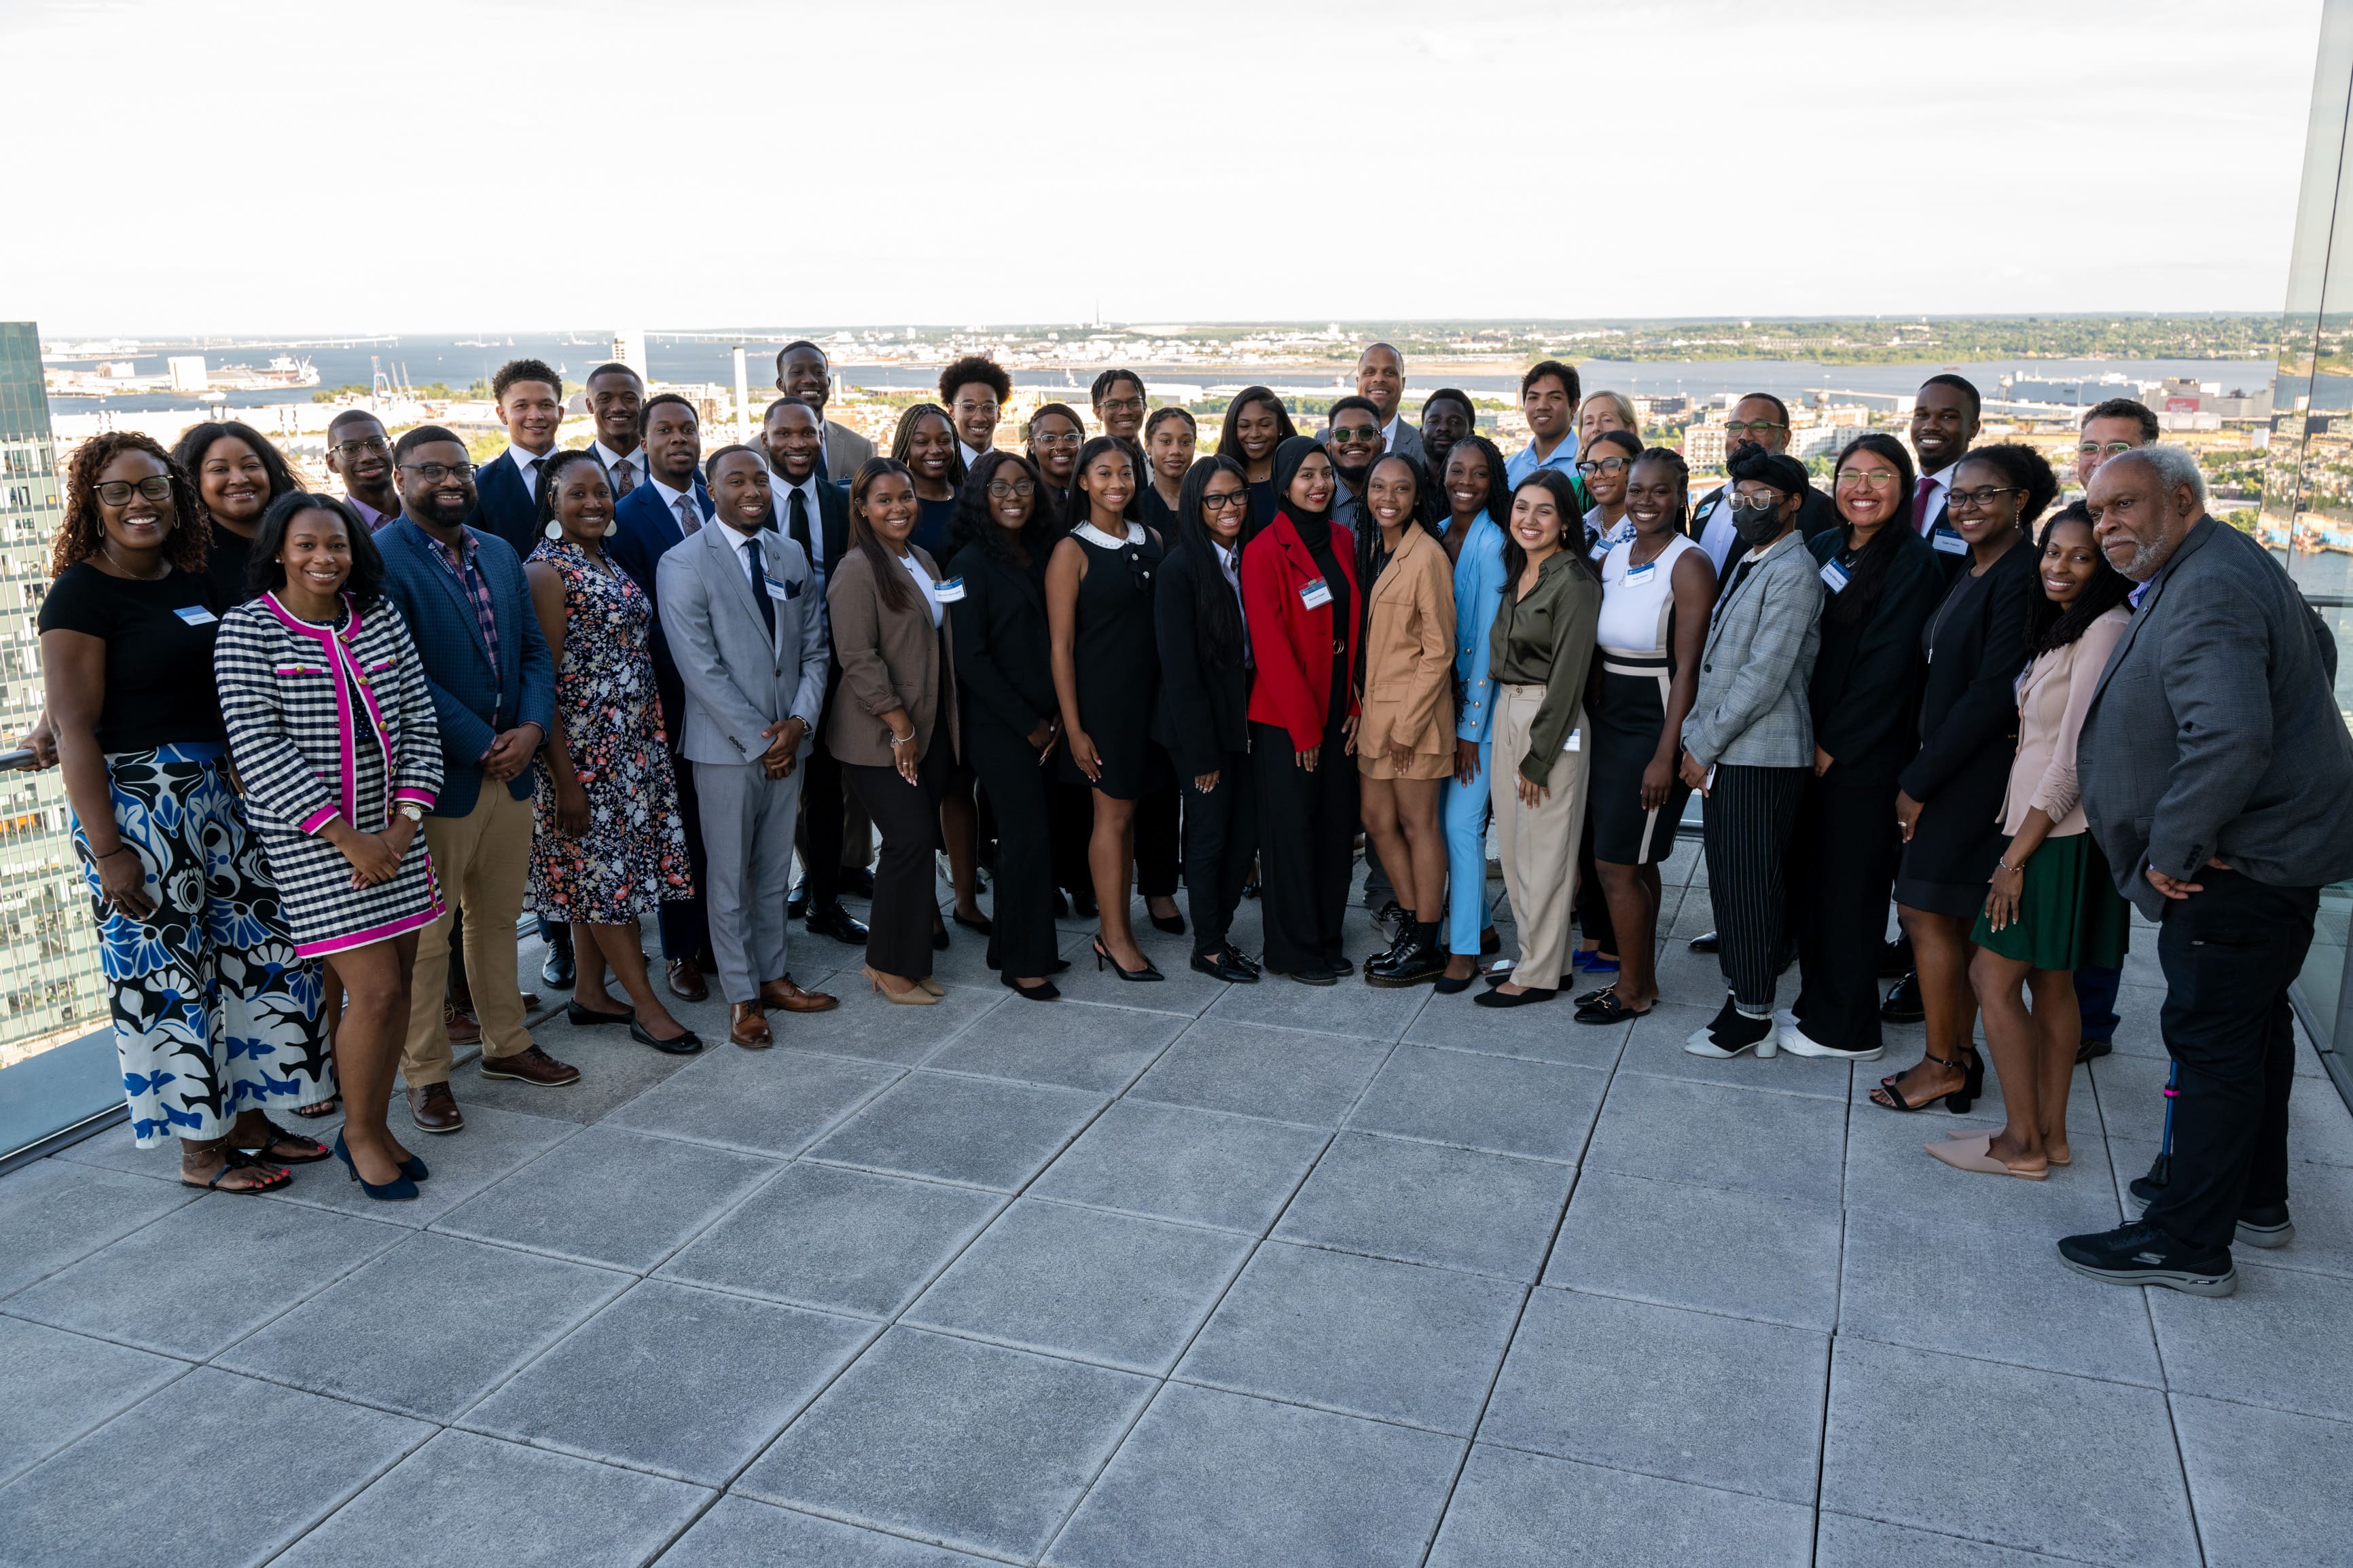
(1147, 972)
(396, 1191)
(980, 924)
(1043, 991)
(1972, 1085)
(1172, 924)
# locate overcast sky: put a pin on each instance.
(312, 166)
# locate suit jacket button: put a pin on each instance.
(1708, 669)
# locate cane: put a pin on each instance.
(2161, 1171)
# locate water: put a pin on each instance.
(456, 364)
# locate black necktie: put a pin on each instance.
(798, 528)
(760, 584)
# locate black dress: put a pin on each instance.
(1005, 682)
(933, 520)
(1975, 644)
(1118, 664)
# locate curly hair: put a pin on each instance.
(902, 440)
(83, 532)
(975, 369)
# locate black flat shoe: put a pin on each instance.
(1446, 986)
(1607, 1009)
(686, 1045)
(1222, 966)
(1341, 965)
(980, 924)
(1506, 999)
(1903, 1004)
(587, 1017)
(940, 940)
(1173, 924)
(1042, 992)
(1704, 944)
(1308, 977)
(1147, 972)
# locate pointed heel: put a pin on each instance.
(400, 1189)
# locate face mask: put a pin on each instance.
(1755, 525)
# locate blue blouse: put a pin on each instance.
(1478, 594)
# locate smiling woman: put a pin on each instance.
(238, 474)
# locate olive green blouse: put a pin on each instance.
(1545, 638)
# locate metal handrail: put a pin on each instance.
(19, 760)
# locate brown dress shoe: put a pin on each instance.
(748, 1026)
(463, 1030)
(783, 994)
(686, 981)
(435, 1110)
(533, 1066)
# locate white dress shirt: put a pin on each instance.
(1934, 513)
(610, 459)
(671, 498)
(971, 454)
(924, 585)
(527, 464)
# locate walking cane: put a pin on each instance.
(2161, 1171)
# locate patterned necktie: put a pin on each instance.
(760, 584)
(1921, 493)
(625, 477)
(688, 517)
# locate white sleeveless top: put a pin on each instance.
(1634, 612)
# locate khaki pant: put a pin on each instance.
(1538, 845)
(482, 861)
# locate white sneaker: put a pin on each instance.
(1798, 1043)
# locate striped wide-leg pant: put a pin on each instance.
(1750, 814)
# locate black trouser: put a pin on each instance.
(1748, 820)
(907, 816)
(685, 922)
(1156, 843)
(1220, 837)
(2230, 954)
(1074, 826)
(1843, 861)
(1593, 904)
(2095, 998)
(1021, 938)
(1307, 840)
(819, 840)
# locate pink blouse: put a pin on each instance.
(2053, 696)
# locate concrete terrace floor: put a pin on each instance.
(1167, 1276)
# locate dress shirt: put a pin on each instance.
(781, 488)
(671, 498)
(373, 519)
(971, 454)
(1932, 514)
(923, 585)
(1229, 562)
(527, 464)
(461, 563)
(1524, 462)
(609, 459)
(1389, 431)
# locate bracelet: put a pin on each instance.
(906, 740)
(2013, 870)
(118, 849)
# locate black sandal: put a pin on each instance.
(238, 1160)
(266, 1151)
(1607, 1008)
(319, 1110)
(1956, 1100)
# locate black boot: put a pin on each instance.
(1416, 959)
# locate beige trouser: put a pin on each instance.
(482, 860)
(1537, 844)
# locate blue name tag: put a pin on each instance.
(784, 589)
(196, 616)
(1642, 574)
(1950, 543)
(948, 591)
(1835, 576)
(1315, 594)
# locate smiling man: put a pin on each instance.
(1380, 377)
(359, 453)
(804, 371)
(530, 395)
(1548, 398)
(1944, 423)
(974, 389)
(616, 393)
(1762, 418)
(1352, 434)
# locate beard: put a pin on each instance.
(1352, 477)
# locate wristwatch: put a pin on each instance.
(411, 810)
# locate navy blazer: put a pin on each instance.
(504, 507)
(644, 529)
(474, 701)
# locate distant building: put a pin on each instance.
(1704, 448)
(187, 372)
(629, 348)
(50, 989)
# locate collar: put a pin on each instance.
(736, 539)
(523, 459)
(1093, 535)
(971, 455)
(778, 483)
(368, 514)
(612, 460)
(1229, 559)
(460, 556)
(671, 498)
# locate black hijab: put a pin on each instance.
(1315, 527)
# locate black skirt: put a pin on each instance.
(1624, 735)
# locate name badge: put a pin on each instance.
(196, 616)
(1315, 594)
(1835, 576)
(778, 589)
(1574, 743)
(1948, 541)
(1642, 574)
(948, 591)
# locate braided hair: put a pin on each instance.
(2047, 625)
(556, 464)
(83, 532)
(902, 440)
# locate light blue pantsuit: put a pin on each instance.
(1478, 594)
(1463, 809)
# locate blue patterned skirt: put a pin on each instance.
(214, 1014)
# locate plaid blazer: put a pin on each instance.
(1751, 710)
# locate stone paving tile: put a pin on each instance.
(772, 1102)
(1209, 1480)
(845, 1241)
(1898, 1415)
(1424, 1203)
(1499, 1104)
(1351, 1007)
(965, 1444)
(1889, 1172)
(2268, 1487)
(61, 1386)
(2132, 1105)
(614, 1070)
(2284, 1345)
(1639, 1386)
(687, 1384)
(468, 1501)
(2320, 1201)
(493, 1146)
(1078, 1282)
(1740, 1139)
(1747, 1255)
(132, 1479)
(1994, 1294)
(868, 1027)
(1181, 992)
(1545, 1034)
(1512, 1509)
(55, 1212)
(1173, 1162)
(1285, 1075)
(428, 1328)
(737, 1532)
(620, 1200)
(205, 1275)
(1081, 1045)
(978, 1132)
(1845, 1541)
(1364, 1336)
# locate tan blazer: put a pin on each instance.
(889, 658)
(1409, 651)
(846, 452)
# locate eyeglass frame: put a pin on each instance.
(1224, 501)
(139, 486)
(427, 471)
(1742, 426)
(348, 450)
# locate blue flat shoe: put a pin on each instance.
(1590, 961)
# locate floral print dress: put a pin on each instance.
(633, 856)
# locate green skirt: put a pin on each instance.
(2070, 915)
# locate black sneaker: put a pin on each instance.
(2266, 1226)
(1731, 1032)
(2144, 1254)
(2093, 1050)
(1903, 1003)
(1895, 959)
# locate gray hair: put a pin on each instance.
(2174, 466)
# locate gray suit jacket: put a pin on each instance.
(1751, 710)
(846, 452)
(1408, 441)
(738, 678)
(2214, 731)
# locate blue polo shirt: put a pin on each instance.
(1524, 462)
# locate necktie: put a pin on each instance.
(1922, 494)
(799, 526)
(625, 477)
(688, 517)
(760, 585)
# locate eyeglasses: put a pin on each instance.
(1225, 501)
(1025, 489)
(116, 492)
(2095, 449)
(434, 473)
(1866, 476)
(1975, 498)
(1355, 435)
(1738, 427)
(976, 405)
(1755, 503)
(1054, 438)
(1603, 466)
(347, 450)
(1121, 405)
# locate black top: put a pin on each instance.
(229, 559)
(1118, 667)
(1204, 709)
(158, 652)
(1003, 655)
(932, 521)
(1157, 514)
(1976, 643)
(1343, 607)
(1262, 503)
(1865, 693)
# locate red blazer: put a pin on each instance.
(1292, 644)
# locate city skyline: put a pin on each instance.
(1830, 159)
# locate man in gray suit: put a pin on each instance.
(2215, 768)
(1380, 378)
(740, 609)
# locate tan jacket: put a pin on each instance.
(889, 658)
(2053, 694)
(1409, 651)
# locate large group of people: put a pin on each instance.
(323, 752)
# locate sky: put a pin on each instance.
(294, 166)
